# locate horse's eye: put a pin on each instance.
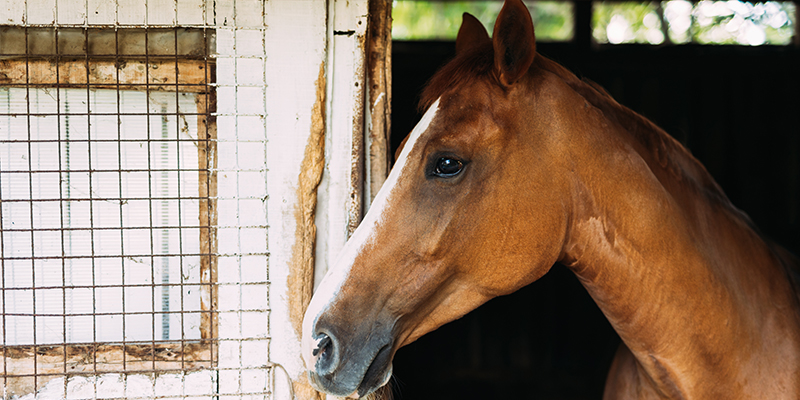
(447, 167)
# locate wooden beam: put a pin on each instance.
(160, 75)
(26, 367)
(379, 79)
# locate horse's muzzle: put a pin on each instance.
(348, 367)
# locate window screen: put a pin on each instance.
(107, 194)
(100, 216)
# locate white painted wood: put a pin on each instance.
(12, 12)
(191, 12)
(199, 385)
(40, 12)
(245, 17)
(346, 77)
(131, 12)
(223, 14)
(160, 12)
(101, 12)
(72, 12)
(295, 44)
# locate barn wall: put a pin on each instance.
(289, 83)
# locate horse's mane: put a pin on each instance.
(668, 152)
(674, 157)
(473, 63)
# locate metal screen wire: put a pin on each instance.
(105, 191)
(121, 208)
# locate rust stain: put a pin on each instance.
(355, 206)
(301, 269)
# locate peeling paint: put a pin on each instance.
(20, 363)
(300, 282)
(197, 384)
(301, 270)
(296, 130)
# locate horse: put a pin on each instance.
(518, 164)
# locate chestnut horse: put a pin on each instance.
(516, 165)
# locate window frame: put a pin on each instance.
(24, 365)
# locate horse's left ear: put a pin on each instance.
(514, 42)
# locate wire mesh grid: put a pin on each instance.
(124, 273)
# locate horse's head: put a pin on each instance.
(449, 230)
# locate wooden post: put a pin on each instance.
(379, 79)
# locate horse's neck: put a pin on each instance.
(684, 280)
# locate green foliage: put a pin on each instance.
(626, 22)
(440, 20)
(704, 22)
(745, 23)
(654, 22)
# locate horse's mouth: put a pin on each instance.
(378, 373)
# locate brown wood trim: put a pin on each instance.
(379, 78)
(162, 75)
(28, 368)
(207, 162)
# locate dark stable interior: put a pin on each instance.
(736, 108)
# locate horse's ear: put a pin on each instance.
(513, 41)
(471, 34)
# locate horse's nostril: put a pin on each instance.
(323, 346)
(326, 355)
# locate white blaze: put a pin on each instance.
(329, 287)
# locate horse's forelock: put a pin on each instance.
(472, 64)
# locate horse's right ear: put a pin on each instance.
(471, 34)
(513, 41)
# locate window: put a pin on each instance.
(440, 20)
(103, 192)
(107, 195)
(704, 22)
(614, 22)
